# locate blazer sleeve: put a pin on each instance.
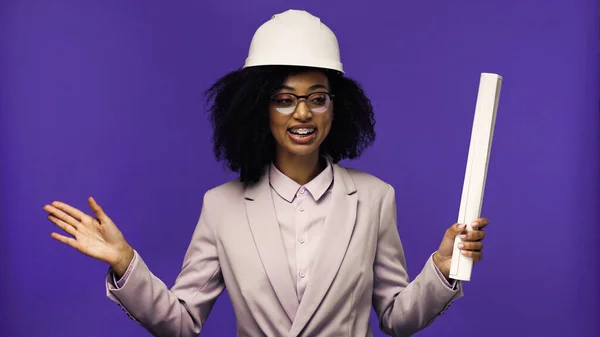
(405, 307)
(182, 310)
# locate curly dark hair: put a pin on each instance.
(239, 113)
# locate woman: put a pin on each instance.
(304, 246)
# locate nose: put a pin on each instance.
(302, 111)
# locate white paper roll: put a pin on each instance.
(477, 165)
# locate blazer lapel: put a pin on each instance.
(267, 237)
(338, 228)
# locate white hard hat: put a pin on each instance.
(297, 38)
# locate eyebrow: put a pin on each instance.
(313, 87)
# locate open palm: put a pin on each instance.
(97, 237)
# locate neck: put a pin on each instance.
(301, 169)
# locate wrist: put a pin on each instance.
(122, 262)
(442, 265)
(436, 259)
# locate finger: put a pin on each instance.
(66, 240)
(480, 223)
(476, 256)
(61, 215)
(98, 210)
(63, 225)
(454, 230)
(72, 211)
(75, 213)
(473, 236)
(473, 246)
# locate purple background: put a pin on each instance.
(103, 98)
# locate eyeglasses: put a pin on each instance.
(286, 103)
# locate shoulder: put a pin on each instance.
(229, 190)
(367, 184)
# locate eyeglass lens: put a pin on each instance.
(286, 103)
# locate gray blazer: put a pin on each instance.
(237, 244)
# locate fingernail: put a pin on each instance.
(475, 224)
(463, 236)
(460, 245)
(461, 226)
(463, 252)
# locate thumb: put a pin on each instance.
(454, 230)
(98, 211)
(447, 244)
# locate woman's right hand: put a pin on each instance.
(97, 237)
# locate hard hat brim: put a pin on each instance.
(337, 66)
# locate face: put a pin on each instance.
(298, 123)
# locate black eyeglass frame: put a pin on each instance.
(305, 97)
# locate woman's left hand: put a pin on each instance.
(471, 244)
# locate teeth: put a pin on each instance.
(302, 131)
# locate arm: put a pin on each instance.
(182, 310)
(404, 307)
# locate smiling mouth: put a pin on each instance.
(302, 131)
(302, 135)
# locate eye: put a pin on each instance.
(318, 99)
(284, 100)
